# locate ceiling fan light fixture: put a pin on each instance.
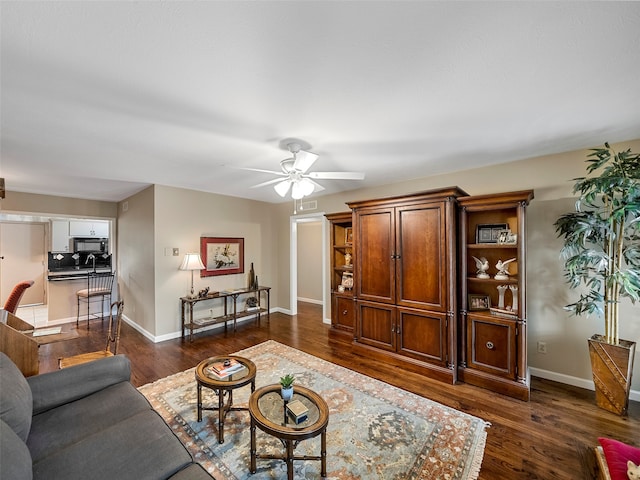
(301, 188)
(282, 188)
(306, 186)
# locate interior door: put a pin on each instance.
(22, 254)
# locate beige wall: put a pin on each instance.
(310, 261)
(17, 202)
(181, 217)
(551, 178)
(136, 259)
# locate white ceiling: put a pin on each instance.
(100, 99)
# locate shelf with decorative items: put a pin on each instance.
(492, 317)
(227, 300)
(342, 281)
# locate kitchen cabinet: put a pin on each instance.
(405, 279)
(342, 299)
(493, 311)
(59, 236)
(78, 228)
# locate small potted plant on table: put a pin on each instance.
(286, 384)
(602, 253)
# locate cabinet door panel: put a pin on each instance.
(421, 267)
(376, 246)
(344, 313)
(376, 325)
(492, 345)
(422, 335)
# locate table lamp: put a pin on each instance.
(192, 262)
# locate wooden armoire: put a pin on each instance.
(405, 280)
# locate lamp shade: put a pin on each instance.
(192, 261)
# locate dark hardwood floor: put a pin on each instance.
(552, 436)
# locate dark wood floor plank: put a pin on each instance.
(550, 437)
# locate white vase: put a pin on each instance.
(287, 393)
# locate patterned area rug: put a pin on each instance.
(376, 431)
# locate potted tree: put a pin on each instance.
(602, 255)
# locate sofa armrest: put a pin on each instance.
(56, 388)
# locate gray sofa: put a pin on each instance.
(85, 422)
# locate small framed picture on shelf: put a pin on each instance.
(347, 280)
(348, 235)
(479, 302)
(506, 237)
(489, 232)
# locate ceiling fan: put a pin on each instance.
(294, 174)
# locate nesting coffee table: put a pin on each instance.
(224, 387)
(267, 410)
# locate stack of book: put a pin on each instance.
(224, 368)
(297, 411)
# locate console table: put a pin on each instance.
(230, 312)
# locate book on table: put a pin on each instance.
(297, 411)
(225, 368)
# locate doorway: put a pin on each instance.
(22, 253)
(295, 221)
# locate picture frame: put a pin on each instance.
(489, 232)
(479, 302)
(221, 256)
(507, 237)
(347, 280)
(348, 235)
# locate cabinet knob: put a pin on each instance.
(490, 345)
(344, 312)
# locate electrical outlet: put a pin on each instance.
(542, 347)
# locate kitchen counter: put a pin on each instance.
(57, 275)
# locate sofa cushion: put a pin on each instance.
(16, 401)
(52, 389)
(141, 447)
(15, 461)
(70, 423)
(617, 455)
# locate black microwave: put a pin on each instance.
(91, 244)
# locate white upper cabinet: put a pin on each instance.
(59, 236)
(88, 229)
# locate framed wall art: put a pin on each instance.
(221, 256)
(489, 232)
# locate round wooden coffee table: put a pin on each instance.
(267, 410)
(223, 387)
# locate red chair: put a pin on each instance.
(11, 305)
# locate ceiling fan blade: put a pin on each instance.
(304, 160)
(317, 186)
(283, 187)
(274, 172)
(337, 175)
(268, 182)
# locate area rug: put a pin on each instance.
(376, 431)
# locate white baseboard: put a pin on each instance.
(310, 300)
(574, 381)
(174, 335)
